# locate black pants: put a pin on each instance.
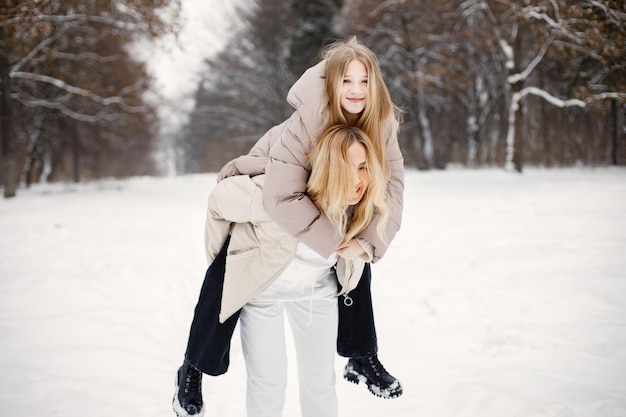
(208, 346)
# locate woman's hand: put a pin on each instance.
(350, 249)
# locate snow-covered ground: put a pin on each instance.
(504, 295)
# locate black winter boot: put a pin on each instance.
(188, 396)
(371, 372)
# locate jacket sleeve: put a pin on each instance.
(230, 201)
(395, 198)
(284, 195)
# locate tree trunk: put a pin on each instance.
(412, 145)
(513, 162)
(517, 144)
(6, 125)
(546, 133)
(509, 162)
(472, 143)
(427, 134)
(75, 155)
(33, 165)
(613, 142)
(471, 133)
(514, 134)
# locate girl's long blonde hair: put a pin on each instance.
(331, 183)
(379, 107)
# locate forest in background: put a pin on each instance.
(504, 83)
(482, 82)
(73, 95)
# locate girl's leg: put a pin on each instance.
(357, 340)
(263, 345)
(357, 334)
(208, 346)
(314, 328)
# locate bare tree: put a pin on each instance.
(527, 33)
(481, 81)
(72, 58)
(465, 68)
(243, 91)
(409, 44)
(437, 70)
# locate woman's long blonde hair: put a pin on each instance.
(331, 183)
(379, 107)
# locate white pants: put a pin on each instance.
(308, 297)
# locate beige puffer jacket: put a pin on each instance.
(259, 249)
(282, 154)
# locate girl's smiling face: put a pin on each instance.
(354, 88)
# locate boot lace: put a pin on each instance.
(376, 366)
(193, 381)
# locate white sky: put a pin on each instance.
(176, 64)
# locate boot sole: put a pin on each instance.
(352, 375)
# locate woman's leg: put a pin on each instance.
(314, 328)
(357, 340)
(263, 344)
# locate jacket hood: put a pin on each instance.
(308, 97)
(306, 90)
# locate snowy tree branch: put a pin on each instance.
(62, 85)
(119, 24)
(546, 96)
(523, 76)
(609, 95)
(58, 105)
(87, 56)
(541, 16)
(563, 103)
(42, 45)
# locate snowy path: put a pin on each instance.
(502, 296)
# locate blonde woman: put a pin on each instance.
(270, 273)
(345, 88)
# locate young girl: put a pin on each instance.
(345, 88)
(270, 273)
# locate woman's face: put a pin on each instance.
(354, 88)
(358, 162)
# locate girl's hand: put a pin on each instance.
(350, 249)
